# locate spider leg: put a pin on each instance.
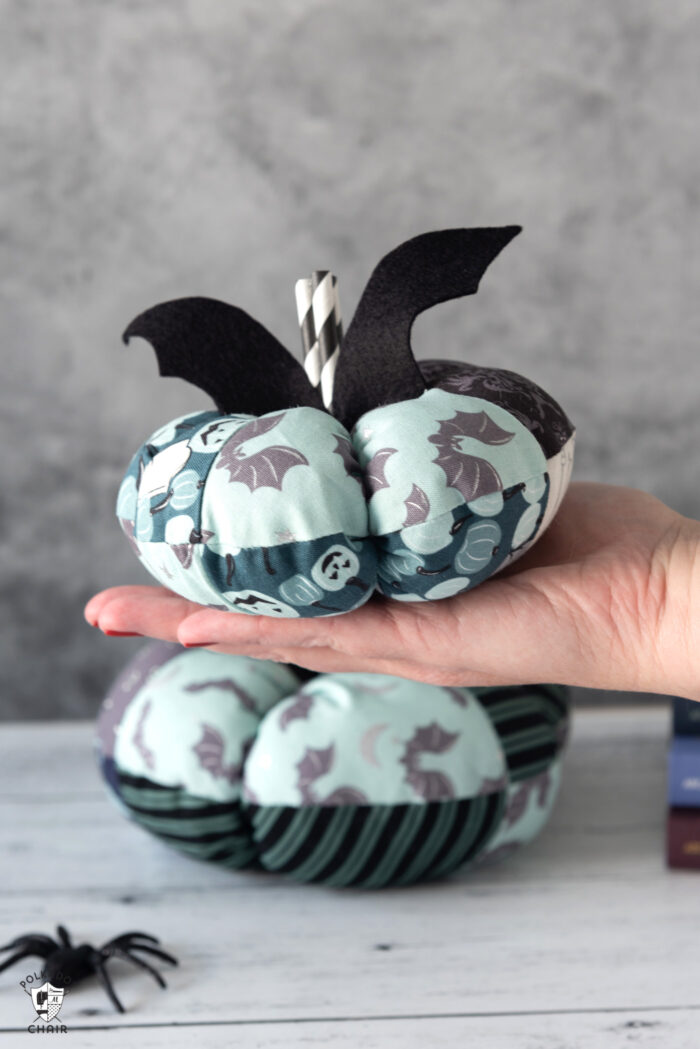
(64, 935)
(131, 935)
(120, 953)
(36, 939)
(127, 941)
(107, 984)
(15, 958)
(151, 950)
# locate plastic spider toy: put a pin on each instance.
(65, 964)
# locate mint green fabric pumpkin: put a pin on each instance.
(421, 481)
(358, 780)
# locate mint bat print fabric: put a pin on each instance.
(345, 779)
(374, 739)
(288, 514)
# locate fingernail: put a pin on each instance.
(120, 633)
(197, 644)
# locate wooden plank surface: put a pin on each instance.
(585, 939)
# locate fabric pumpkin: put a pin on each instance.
(422, 481)
(342, 779)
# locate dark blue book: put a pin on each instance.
(684, 771)
(686, 717)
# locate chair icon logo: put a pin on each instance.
(47, 1001)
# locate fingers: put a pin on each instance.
(148, 610)
(328, 661)
(361, 632)
(507, 633)
(95, 605)
(446, 639)
(156, 612)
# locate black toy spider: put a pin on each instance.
(65, 965)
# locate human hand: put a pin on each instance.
(608, 597)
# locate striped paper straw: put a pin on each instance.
(318, 310)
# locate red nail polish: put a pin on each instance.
(197, 644)
(120, 633)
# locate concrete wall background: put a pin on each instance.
(159, 149)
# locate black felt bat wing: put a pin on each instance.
(226, 353)
(376, 364)
(242, 366)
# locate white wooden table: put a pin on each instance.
(584, 941)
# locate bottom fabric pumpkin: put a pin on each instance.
(348, 779)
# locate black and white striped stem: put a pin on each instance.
(318, 310)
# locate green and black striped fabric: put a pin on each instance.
(531, 722)
(371, 846)
(367, 846)
(206, 830)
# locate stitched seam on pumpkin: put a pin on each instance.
(207, 572)
(197, 522)
(370, 536)
(273, 546)
(449, 513)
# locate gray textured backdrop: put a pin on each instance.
(159, 149)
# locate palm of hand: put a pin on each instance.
(586, 605)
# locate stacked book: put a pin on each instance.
(683, 823)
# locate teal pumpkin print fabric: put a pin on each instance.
(288, 514)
